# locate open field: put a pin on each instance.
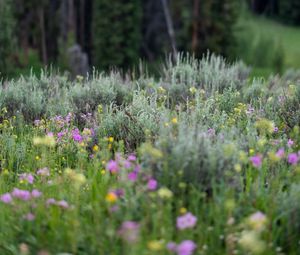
(201, 161)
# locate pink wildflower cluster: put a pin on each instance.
(20, 194)
(187, 220)
(186, 247)
(129, 231)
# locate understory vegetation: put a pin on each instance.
(202, 160)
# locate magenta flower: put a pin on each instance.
(112, 166)
(186, 221)
(186, 247)
(27, 177)
(129, 231)
(290, 143)
(293, 158)
(280, 153)
(152, 184)
(256, 161)
(6, 198)
(131, 157)
(132, 176)
(24, 195)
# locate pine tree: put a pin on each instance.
(6, 36)
(116, 33)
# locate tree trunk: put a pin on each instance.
(195, 26)
(43, 35)
(170, 27)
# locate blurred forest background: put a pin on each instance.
(77, 35)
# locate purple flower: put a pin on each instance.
(293, 158)
(171, 246)
(152, 184)
(275, 129)
(50, 201)
(24, 195)
(186, 221)
(126, 164)
(43, 172)
(129, 231)
(27, 177)
(63, 204)
(112, 166)
(6, 198)
(76, 135)
(132, 176)
(131, 157)
(186, 247)
(29, 217)
(36, 193)
(256, 161)
(290, 143)
(280, 153)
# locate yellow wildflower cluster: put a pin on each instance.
(47, 140)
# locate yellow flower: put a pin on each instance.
(238, 168)
(95, 148)
(193, 90)
(110, 139)
(46, 140)
(103, 171)
(155, 245)
(174, 120)
(182, 210)
(251, 151)
(165, 193)
(37, 158)
(111, 197)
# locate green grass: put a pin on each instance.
(253, 27)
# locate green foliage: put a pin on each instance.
(7, 26)
(116, 44)
(289, 11)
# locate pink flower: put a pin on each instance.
(112, 166)
(256, 161)
(290, 143)
(129, 231)
(280, 153)
(43, 172)
(6, 198)
(131, 157)
(186, 221)
(126, 164)
(63, 204)
(293, 158)
(24, 195)
(186, 247)
(29, 217)
(152, 184)
(36, 193)
(27, 177)
(51, 201)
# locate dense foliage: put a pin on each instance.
(200, 161)
(6, 36)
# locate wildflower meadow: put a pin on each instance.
(200, 160)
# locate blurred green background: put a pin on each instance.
(77, 35)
